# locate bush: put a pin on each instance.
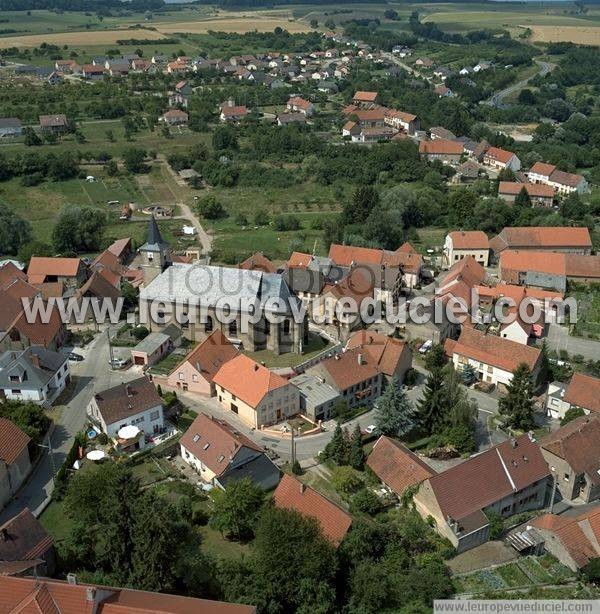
(346, 480)
(140, 332)
(365, 501)
(411, 377)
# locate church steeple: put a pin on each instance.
(156, 253)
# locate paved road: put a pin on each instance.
(559, 339)
(498, 97)
(90, 375)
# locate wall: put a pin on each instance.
(205, 473)
(141, 420)
(186, 374)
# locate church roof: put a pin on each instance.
(154, 241)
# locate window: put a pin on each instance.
(286, 327)
(567, 476)
(194, 377)
(196, 438)
(15, 391)
(181, 375)
(208, 325)
(233, 329)
(154, 415)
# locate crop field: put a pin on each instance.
(582, 35)
(241, 24)
(85, 37)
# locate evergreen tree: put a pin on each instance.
(336, 448)
(431, 406)
(364, 200)
(522, 199)
(395, 414)
(356, 454)
(517, 405)
(545, 371)
(435, 358)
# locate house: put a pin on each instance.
(258, 395)
(439, 132)
(575, 240)
(500, 159)
(23, 538)
(333, 521)
(396, 466)
(448, 152)
(286, 119)
(582, 392)
(69, 271)
(175, 117)
(258, 262)
(10, 127)
(354, 374)
(151, 349)
(59, 597)
(374, 135)
(317, 397)
(574, 541)
(229, 112)
(441, 72)
(54, 123)
(196, 372)
(177, 68)
(121, 248)
(494, 359)
(64, 66)
(402, 121)
(424, 62)
(220, 454)
(467, 172)
(93, 72)
(539, 194)
(367, 99)
(296, 104)
(565, 183)
(33, 374)
(351, 129)
(392, 357)
(460, 244)
(136, 403)
(15, 463)
(442, 91)
(370, 118)
(573, 455)
(550, 270)
(508, 479)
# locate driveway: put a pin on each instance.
(89, 376)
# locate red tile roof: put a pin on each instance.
(345, 255)
(299, 260)
(495, 351)
(406, 248)
(210, 355)
(298, 102)
(258, 262)
(535, 190)
(469, 239)
(369, 115)
(12, 441)
(440, 147)
(233, 111)
(345, 370)
(215, 443)
(543, 237)
(488, 477)
(541, 168)
(248, 380)
(45, 596)
(501, 155)
(61, 267)
(292, 494)
(386, 351)
(579, 536)
(9, 273)
(357, 285)
(396, 466)
(365, 96)
(584, 391)
(26, 538)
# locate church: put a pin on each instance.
(192, 295)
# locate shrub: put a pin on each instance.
(365, 501)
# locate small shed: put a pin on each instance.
(151, 349)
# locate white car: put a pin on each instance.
(370, 429)
(118, 363)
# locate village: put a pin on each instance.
(440, 384)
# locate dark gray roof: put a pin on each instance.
(20, 363)
(261, 470)
(304, 280)
(273, 285)
(10, 122)
(154, 241)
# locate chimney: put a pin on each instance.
(230, 103)
(128, 390)
(90, 593)
(72, 578)
(360, 359)
(513, 442)
(256, 367)
(302, 488)
(35, 360)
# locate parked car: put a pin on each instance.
(74, 357)
(426, 347)
(370, 429)
(119, 363)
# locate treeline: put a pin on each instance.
(82, 5)
(147, 41)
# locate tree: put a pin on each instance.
(356, 454)
(545, 371)
(63, 166)
(346, 480)
(517, 405)
(31, 137)
(211, 208)
(364, 200)
(522, 199)
(14, 231)
(431, 406)
(395, 414)
(78, 229)
(237, 508)
(468, 374)
(33, 248)
(134, 160)
(111, 168)
(225, 138)
(571, 414)
(337, 448)
(435, 358)
(314, 24)
(461, 205)
(365, 501)
(526, 96)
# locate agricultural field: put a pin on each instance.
(582, 35)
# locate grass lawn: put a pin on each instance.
(186, 419)
(167, 364)
(430, 238)
(214, 543)
(55, 521)
(151, 470)
(315, 346)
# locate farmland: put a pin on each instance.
(577, 34)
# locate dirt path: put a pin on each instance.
(205, 239)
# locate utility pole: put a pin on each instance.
(554, 484)
(110, 350)
(293, 448)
